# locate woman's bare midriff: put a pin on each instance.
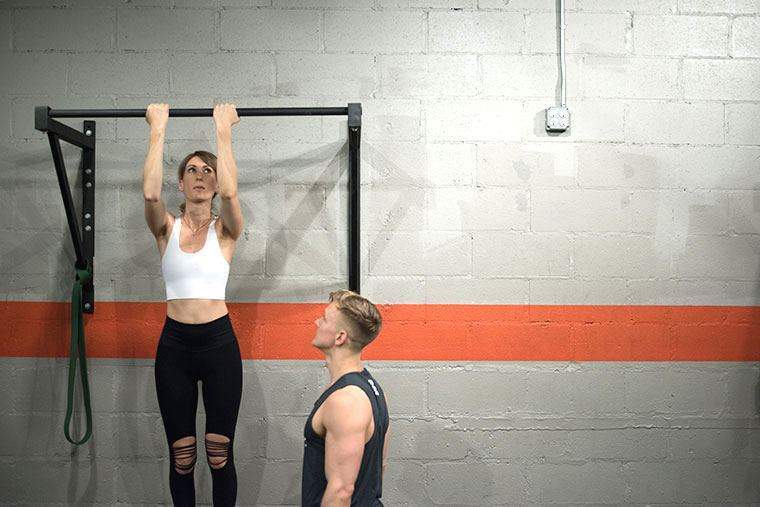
(195, 311)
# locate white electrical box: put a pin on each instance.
(557, 119)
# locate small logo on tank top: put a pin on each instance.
(371, 383)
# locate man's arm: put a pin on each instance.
(347, 414)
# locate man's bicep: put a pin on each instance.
(345, 428)
(344, 447)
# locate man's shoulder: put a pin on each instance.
(347, 397)
(349, 402)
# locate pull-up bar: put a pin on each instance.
(83, 238)
(196, 113)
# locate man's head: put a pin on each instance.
(350, 321)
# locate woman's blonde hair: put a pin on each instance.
(207, 157)
(362, 317)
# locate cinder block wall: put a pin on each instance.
(652, 198)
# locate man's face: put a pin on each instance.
(329, 327)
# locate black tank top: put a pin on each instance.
(369, 483)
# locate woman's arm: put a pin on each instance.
(156, 215)
(225, 116)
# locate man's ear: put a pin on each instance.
(341, 338)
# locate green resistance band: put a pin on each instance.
(77, 352)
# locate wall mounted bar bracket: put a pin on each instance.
(84, 238)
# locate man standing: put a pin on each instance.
(345, 447)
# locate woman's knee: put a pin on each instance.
(183, 454)
(217, 450)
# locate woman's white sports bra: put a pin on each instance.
(199, 275)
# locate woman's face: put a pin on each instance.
(198, 182)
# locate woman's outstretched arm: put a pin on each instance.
(225, 116)
(157, 116)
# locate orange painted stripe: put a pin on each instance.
(415, 332)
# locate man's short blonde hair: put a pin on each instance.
(360, 314)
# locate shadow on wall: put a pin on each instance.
(297, 190)
(252, 390)
(405, 202)
(40, 252)
(305, 207)
(271, 438)
(90, 488)
(290, 235)
(303, 237)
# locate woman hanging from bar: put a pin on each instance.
(197, 342)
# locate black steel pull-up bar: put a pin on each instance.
(197, 113)
(83, 238)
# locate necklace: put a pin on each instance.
(198, 229)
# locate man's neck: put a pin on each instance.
(339, 364)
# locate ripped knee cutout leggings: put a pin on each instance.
(188, 354)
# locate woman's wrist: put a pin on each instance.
(223, 130)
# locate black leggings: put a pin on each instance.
(188, 353)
